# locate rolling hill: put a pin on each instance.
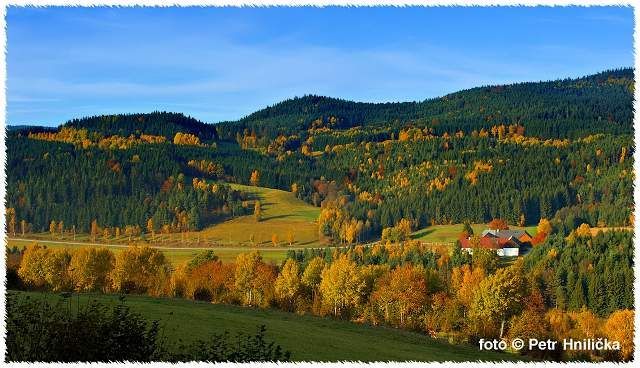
(548, 109)
(599, 102)
(558, 147)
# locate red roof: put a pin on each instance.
(488, 242)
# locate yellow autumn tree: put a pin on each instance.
(341, 285)
(583, 231)
(140, 270)
(498, 297)
(246, 274)
(255, 178)
(52, 228)
(290, 237)
(257, 211)
(288, 284)
(23, 227)
(186, 139)
(11, 221)
(560, 323)
(401, 293)
(91, 268)
(56, 269)
(31, 269)
(95, 230)
(61, 229)
(465, 281)
(350, 230)
(619, 327)
(588, 325)
(151, 228)
(254, 279)
(544, 226)
(312, 275)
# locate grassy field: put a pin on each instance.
(307, 337)
(450, 233)
(283, 214)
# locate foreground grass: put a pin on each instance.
(307, 337)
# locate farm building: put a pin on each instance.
(506, 243)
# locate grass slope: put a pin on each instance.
(282, 213)
(307, 337)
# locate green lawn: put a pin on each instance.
(307, 337)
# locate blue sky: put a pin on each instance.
(222, 63)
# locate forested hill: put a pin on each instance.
(556, 109)
(568, 108)
(559, 150)
(165, 124)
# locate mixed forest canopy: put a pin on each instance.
(560, 150)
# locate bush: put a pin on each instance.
(223, 348)
(41, 332)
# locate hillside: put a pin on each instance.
(560, 150)
(165, 124)
(553, 109)
(307, 337)
(283, 215)
(550, 109)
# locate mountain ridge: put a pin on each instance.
(543, 107)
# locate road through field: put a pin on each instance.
(156, 246)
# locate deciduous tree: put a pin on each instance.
(401, 293)
(619, 327)
(91, 268)
(341, 285)
(288, 284)
(140, 270)
(498, 297)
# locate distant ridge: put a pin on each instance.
(555, 109)
(599, 102)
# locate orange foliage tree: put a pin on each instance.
(401, 293)
(498, 224)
